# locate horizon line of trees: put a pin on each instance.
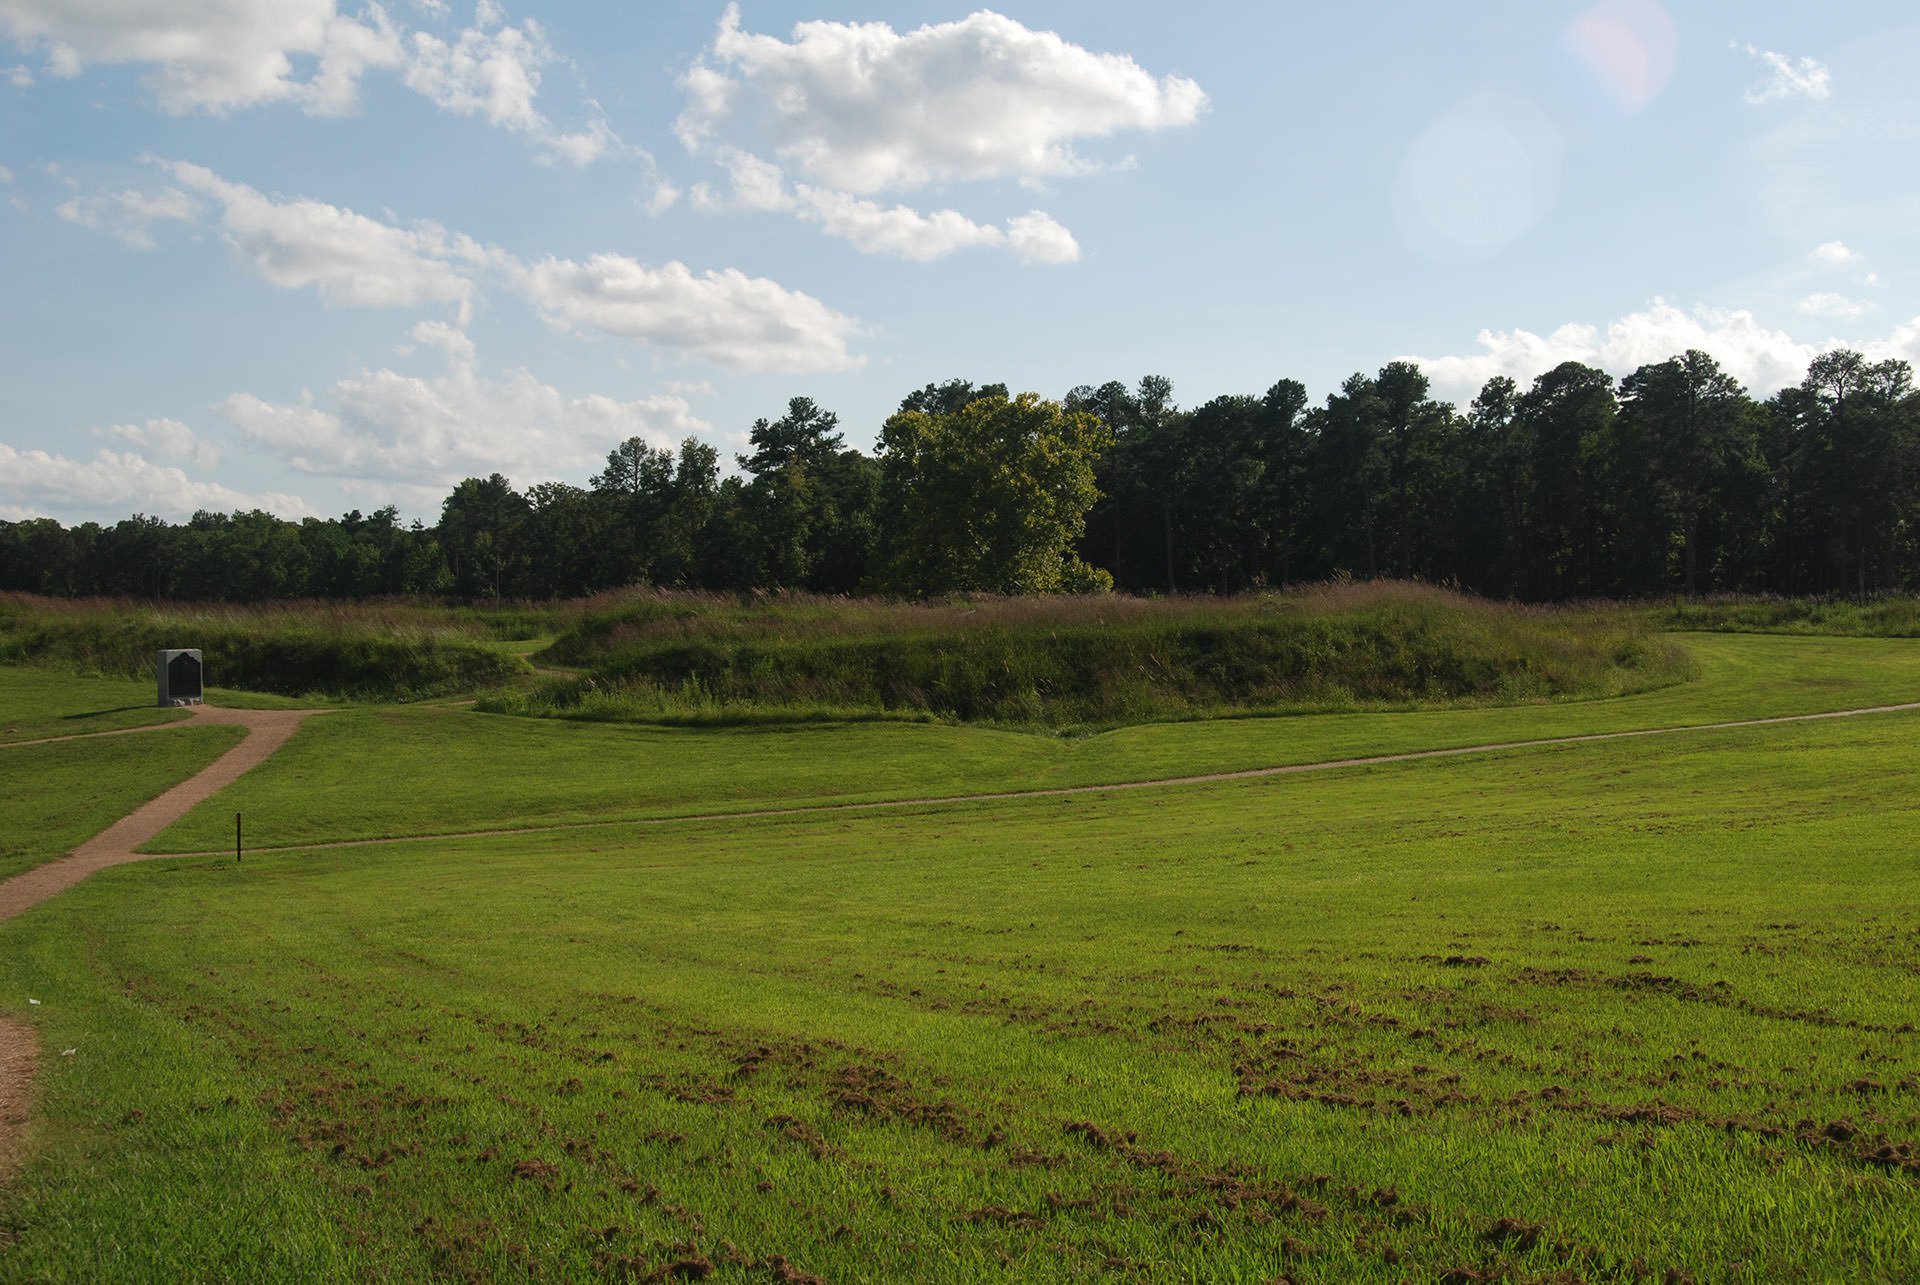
(1672, 480)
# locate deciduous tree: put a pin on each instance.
(989, 496)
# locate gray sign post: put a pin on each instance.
(177, 671)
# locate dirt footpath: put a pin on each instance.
(19, 1052)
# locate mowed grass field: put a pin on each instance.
(1639, 1009)
(39, 704)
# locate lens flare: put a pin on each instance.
(1479, 178)
(1627, 48)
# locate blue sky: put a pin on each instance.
(312, 255)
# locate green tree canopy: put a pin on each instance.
(805, 434)
(991, 495)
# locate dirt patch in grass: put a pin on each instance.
(1514, 1232)
(871, 1090)
(1232, 1187)
(1718, 993)
(785, 1273)
(19, 1056)
(806, 1135)
(1281, 1069)
(1875, 1150)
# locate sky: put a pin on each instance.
(318, 255)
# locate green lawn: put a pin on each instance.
(448, 770)
(38, 703)
(1613, 1010)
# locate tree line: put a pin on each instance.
(1672, 480)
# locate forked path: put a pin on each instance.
(267, 731)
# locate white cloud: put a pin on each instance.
(212, 56)
(905, 233)
(1826, 303)
(711, 96)
(350, 259)
(585, 146)
(1764, 360)
(1835, 253)
(1902, 345)
(864, 109)
(126, 214)
(896, 231)
(37, 483)
(19, 76)
(448, 339)
(1787, 78)
(384, 429)
(1034, 237)
(662, 198)
(169, 439)
(6, 175)
(726, 317)
(494, 74)
(757, 185)
(493, 70)
(221, 56)
(348, 51)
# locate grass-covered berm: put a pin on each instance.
(1631, 1010)
(390, 651)
(1083, 662)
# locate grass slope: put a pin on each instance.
(444, 770)
(60, 795)
(380, 652)
(1616, 1010)
(1080, 662)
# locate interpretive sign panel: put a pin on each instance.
(178, 673)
